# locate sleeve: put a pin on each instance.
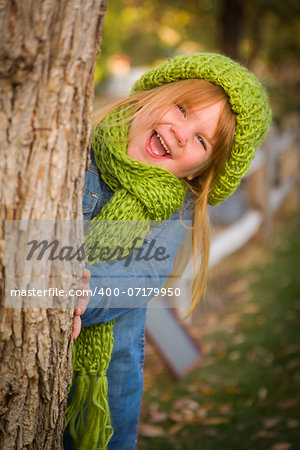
(120, 285)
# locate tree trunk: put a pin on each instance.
(231, 26)
(47, 58)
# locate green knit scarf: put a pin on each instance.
(142, 193)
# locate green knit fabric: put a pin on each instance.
(247, 98)
(142, 193)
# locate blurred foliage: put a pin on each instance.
(147, 31)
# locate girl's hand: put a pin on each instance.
(82, 303)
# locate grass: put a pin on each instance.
(246, 394)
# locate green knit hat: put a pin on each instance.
(247, 98)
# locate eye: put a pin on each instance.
(182, 110)
(200, 139)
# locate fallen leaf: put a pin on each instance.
(215, 420)
(188, 415)
(200, 413)
(192, 388)
(225, 408)
(239, 339)
(153, 406)
(270, 422)
(266, 434)
(288, 403)
(249, 308)
(147, 430)
(185, 403)
(198, 387)
(261, 356)
(210, 431)
(262, 393)
(293, 423)
(206, 348)
(215, 379)
(293, 363)
(232, 390)
(158, 417)
(175, 428)
(297, 304)
(231, 319)
(222, 353)
(238, 287)
(293, 348)
(207, 390)
(281, 446)
(176, 417)
(185, 416)
(233, 356)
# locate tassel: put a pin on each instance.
(88, 415)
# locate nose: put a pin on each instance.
(180, 133)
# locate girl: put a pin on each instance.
(183, 139)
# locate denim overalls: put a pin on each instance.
(125, 372)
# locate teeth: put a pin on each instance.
(163, 144)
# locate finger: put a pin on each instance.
(81, 304)
(86, 274)
(76, 327)
(84, 283)
(84, 299)
(79, 311)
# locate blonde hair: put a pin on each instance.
(193, 93)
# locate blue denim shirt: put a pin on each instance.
(125, 372)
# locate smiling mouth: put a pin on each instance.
(156, 146)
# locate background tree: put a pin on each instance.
(231, 19)
(47, 59)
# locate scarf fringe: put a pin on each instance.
(88, 415)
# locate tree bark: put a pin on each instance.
(47, 59)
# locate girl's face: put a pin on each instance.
(180, 141)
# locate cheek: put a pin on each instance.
(134, 138)
(195, 157)
(132, 131)
(139, 130)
